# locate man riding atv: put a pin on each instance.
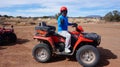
(63, 27)
(83, 45)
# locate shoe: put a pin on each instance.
(67, 50)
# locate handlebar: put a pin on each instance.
(75, 25)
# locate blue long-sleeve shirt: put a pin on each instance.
(63, 23)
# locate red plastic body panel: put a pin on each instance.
(2, 31)
(57, 39)
(81, 39)
(75, 32)
(49, 39)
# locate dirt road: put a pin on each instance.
(20, 54)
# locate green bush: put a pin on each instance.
(112, 16)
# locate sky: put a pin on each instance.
(76, 8)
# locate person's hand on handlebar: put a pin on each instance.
(74, 24)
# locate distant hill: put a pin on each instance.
(93, 16)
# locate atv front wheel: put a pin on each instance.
(41, 53)
(87, 56)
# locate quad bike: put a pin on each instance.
(83, 45)
(7, 35)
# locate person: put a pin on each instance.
(63, 27)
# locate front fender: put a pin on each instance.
(81, 39)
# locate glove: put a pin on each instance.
(75, 24)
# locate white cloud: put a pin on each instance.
(52, 6)
(49, 3)
(39, 10)
(4, 13)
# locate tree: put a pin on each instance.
(5, 16)
(112, 16)
(45, 17)
(116, 15)
(19, 17)
(108, 16)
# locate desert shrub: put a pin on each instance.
(32, 23)
(35, 18)
(45, 17)
(2, 20)
(19, 17)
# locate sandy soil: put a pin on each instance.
(20, 54)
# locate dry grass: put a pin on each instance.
(31, 21)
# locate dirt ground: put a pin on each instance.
(20, 54)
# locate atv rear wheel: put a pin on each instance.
(87, 56)
(0, 40)
(12, 37)
(41, 53)
(8, 38)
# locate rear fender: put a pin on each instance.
(48, 39)
(80, 40)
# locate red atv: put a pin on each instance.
(7, 35)
(83, 45)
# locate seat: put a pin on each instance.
(56, 34)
